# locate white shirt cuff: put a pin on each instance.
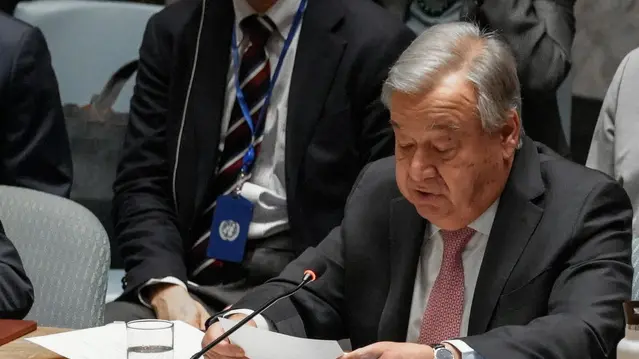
(154, 281)
(466, 351)
(260, 321)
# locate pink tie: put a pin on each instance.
(442, 318)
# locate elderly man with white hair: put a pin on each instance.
(473, 241)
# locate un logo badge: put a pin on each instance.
(229, 230)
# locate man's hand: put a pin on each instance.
(172, 302)
(391, 350)
(225, 349)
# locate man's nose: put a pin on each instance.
(421, 167)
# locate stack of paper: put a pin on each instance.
(109, 342)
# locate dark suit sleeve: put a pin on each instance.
(317, 310)
(16, 292)
(585, 317)
(314, 312)
(145, 220)
(540, 32)
(377, 139)
(35, 146)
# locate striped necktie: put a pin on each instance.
(254, 79)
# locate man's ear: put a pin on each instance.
(510, 133)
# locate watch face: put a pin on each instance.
(443, 353)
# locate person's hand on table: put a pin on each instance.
(172, 302)
(225, 349)
(392, 350)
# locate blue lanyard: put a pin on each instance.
(249, 157)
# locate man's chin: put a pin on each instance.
(443, 218)
(433, 214)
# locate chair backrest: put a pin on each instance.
(89, 41)
(65, 252)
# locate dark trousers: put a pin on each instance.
(265, 259)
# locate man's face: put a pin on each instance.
(447, 166)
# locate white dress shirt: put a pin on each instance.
(265, 187)
(427, 271)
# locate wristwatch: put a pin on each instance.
(441, 352)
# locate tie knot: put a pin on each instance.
(258, 28)
(455, 241)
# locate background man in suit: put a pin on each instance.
(16, 292)
(614, 149)
(482, 240)
(34, 146)
(540, 32)
(323, 124)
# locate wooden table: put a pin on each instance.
(22, 349)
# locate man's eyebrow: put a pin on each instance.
(444, 125)
(439, 125)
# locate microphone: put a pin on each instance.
(309, 276)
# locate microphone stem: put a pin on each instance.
(248, 318)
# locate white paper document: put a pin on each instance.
(262, 344)
(109, 342)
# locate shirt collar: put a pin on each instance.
(483, 224)
(282, 13)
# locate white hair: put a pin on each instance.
(460, 46)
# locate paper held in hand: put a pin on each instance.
(262, 344)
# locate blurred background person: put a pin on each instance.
(540, 32)
(34, 146)
(614, 149)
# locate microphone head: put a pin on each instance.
(313, 273)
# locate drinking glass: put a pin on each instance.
(149, 339)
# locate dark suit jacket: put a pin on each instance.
(540, 33)
(555, 271)
(335, 125)
(34, 146)
(16, 292)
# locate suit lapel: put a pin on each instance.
(206, 105)
(406, 237)
(319, 51)
(515, 221)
